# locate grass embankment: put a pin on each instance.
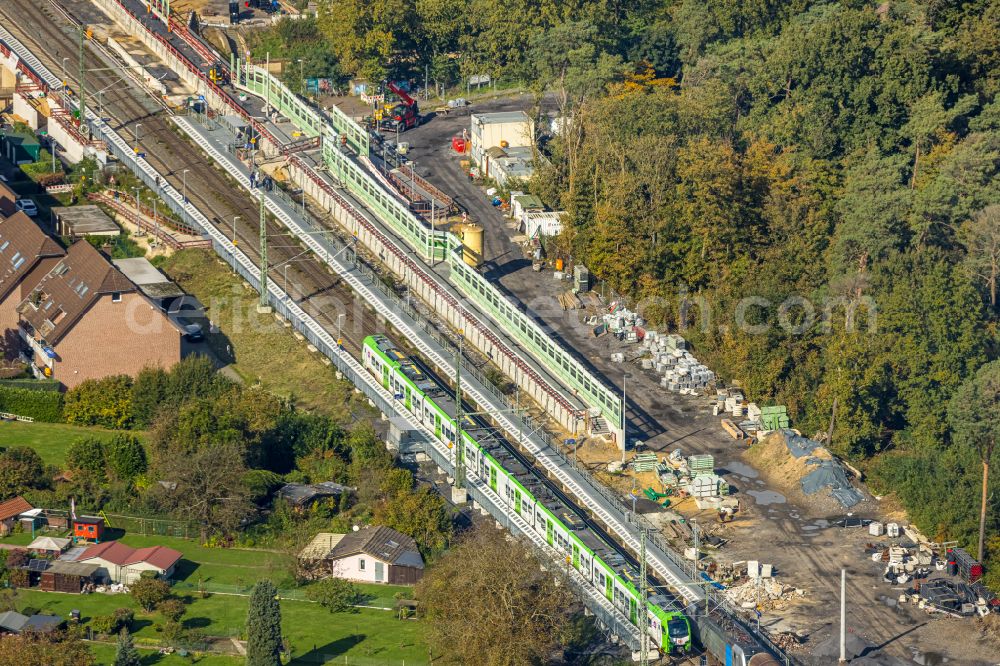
(51, 440)
(256, 346)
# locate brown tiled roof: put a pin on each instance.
(109, 551)
(22, 244)
(118, 553)
(380, 542)
(60, 298)
(160, 557)
(14, 507)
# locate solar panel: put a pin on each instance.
(38, 565)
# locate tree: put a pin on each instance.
(21, 470)
(148, 592)
(126, 457)
(125, 652)
(207, 486)
(264, 626)
(105, 402)
(975, 420)
(982, 239)
(59, 648)
(421, 514)
(488, 596)
(334, 594)
(149, 393)
(87, 455)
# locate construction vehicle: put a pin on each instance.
(400, 115)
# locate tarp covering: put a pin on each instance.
(827, 474)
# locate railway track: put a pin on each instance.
(46, 30)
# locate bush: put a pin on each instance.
(105, 624)
(43, 405)
(126, 457)
(87, 454)
(171, 609)
(103, 402)
(125, 617)
(148, 592)
(335, 594)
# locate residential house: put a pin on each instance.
(8, 198)
(123, 564)
(26, 254)
(85, 320)
(369, 555)
(10, 510)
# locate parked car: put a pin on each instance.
(189, 315)
(27, 206)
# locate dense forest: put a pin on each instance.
(808, 190)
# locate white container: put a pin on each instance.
(876, 529)
(892, 530)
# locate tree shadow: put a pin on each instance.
(323, 654)
(197, 622)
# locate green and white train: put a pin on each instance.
(489, 459)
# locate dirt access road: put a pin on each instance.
(776, 525)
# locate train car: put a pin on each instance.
(525, 493)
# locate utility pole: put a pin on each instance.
(459, 444)
(83, 85)
(843, 616)
(643, 618)
(263, 306)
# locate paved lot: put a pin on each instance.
(781, 530)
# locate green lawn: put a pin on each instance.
(256, 346)
(315, 635)
(50, 440)
(223, 566)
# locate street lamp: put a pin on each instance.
(64, 71)
(185, 181)
(302, 79)
(235, 217)
(136, 190)
(340, 340)
(285, 271)
(135, 131)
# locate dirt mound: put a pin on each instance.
(771, 456)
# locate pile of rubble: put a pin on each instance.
(759, 590)
(693, 476)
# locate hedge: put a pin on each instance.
(31, 384)
(44, 406)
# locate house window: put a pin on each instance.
(361, 563)
(116, 297)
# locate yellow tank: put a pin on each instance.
(472, 242)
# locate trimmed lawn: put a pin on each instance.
(316, 635)
(221, 566)
(51, 440)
